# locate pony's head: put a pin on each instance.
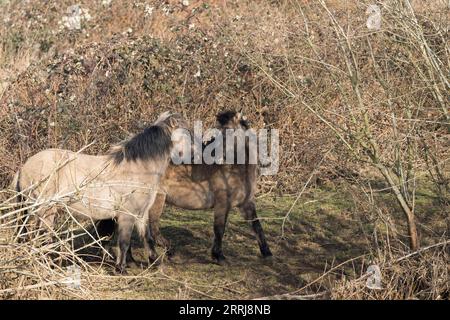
(179, 132)
(231, 119)
(156, 142)
(171, 121)
(235, 129)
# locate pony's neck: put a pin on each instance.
(143, 171)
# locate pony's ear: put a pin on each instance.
(176, 120)
(163, 116)
(172, 122)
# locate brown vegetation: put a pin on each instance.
(358, 109)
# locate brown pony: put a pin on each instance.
(121, 185)
(217, 186)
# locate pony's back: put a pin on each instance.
(51, 170)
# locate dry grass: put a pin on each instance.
(324, 252)
(419, 275)
(292, 65)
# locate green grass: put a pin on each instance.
(324, 228)
(315, 235)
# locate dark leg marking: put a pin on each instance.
(220, 220)
(249, 212)
(126, 225)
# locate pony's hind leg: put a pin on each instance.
(154, 215)
(248, 211)
(21, 232)
(149, 243)
(125, 228)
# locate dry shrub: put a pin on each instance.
(67, 262)
(421, 275)
(381, 93)
(271, 59)
(39, 265)
(277, 60)
(104, 91)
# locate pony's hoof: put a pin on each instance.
(267, 260)
(223, 262)
(267, 255)
(219, 258)
(121, 270)
(23, 239)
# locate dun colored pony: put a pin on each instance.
(121, 185)
(217, 186)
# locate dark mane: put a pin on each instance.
(225, 117)
(153, 143)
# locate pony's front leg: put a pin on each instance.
(248, 211)
(221, 209)
(106, 228)
(125, 227)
